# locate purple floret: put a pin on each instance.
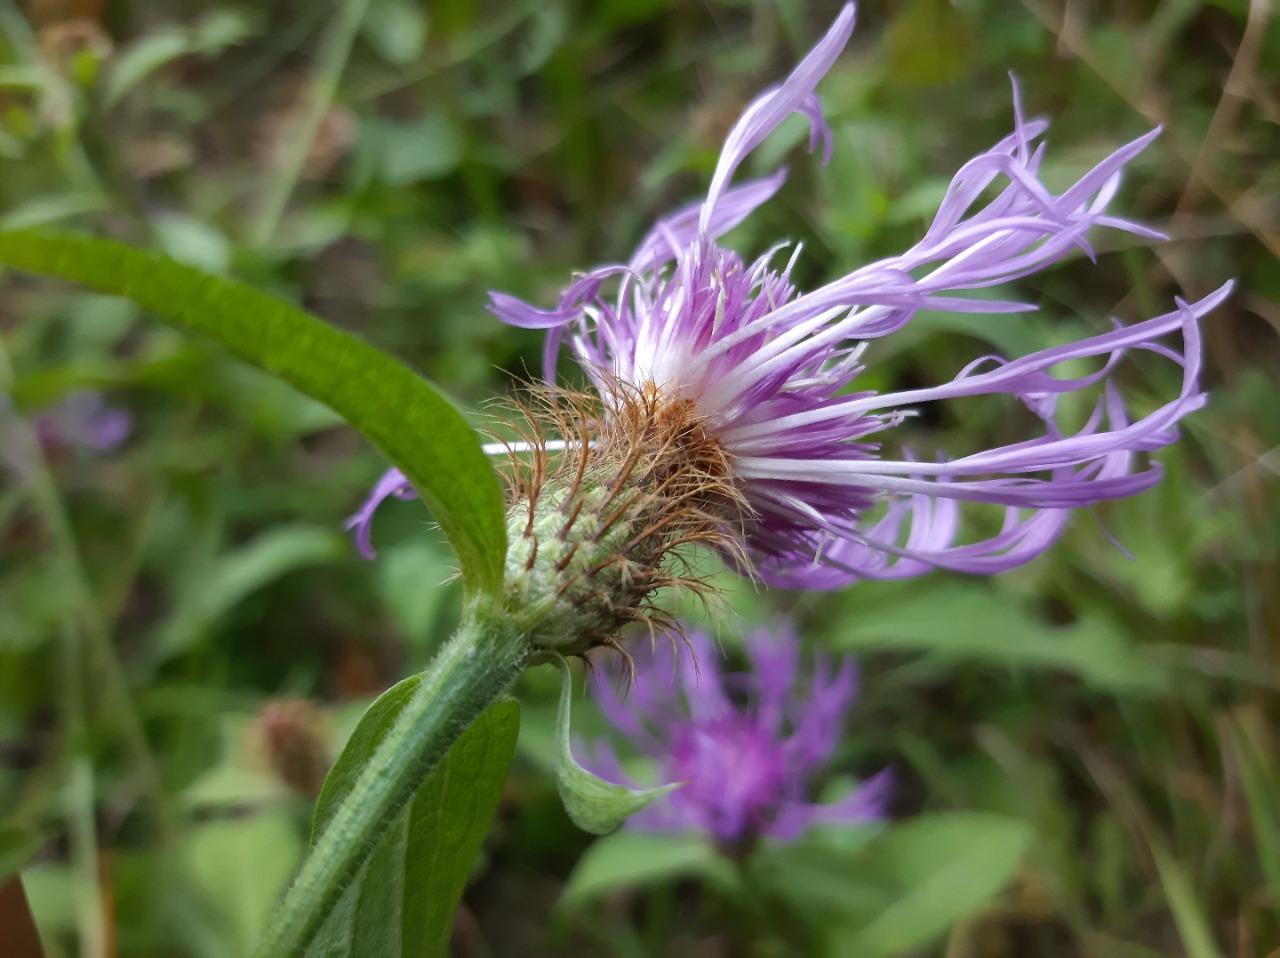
(747, 746)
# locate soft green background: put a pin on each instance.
(1085, 747)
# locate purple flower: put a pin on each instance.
(81, 421)
(772, 371)
(745, 745)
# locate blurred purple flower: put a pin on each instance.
(80, 421)
(772, 371)
(83, 420)
(745, 745)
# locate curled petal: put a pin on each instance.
(392, 483)
(773, 106)
(516, 312)
(674, 233)
(866, 803)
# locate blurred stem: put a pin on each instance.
(331, 60)
(81, 804)
(84, 623)
(472, 671)
(114, 687)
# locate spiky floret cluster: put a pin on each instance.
(598, 517)
(747, 746)
(692, 348)
(775, 372)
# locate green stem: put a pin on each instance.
(471, 672)
(97, 649)
(112, 683)
(335, 48)
(82, 828)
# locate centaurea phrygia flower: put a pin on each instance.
(770, 372)
(727, 409)
(747, 746)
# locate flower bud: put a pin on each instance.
(290, 734)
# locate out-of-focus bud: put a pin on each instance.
(291, 737)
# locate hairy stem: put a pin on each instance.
(472, 671)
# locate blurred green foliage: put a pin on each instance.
(1086, 747)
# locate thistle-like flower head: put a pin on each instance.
(770, 372)
(747, 746)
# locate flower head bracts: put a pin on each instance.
(745, 745)
(770, 370)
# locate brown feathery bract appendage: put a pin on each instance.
(600, 512)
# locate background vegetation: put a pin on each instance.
(1086, 747)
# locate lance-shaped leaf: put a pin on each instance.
(403, 901)
(596, 806)
(407, 418)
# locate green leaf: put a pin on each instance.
(959, 621)
(1184, 902)
(395, 750)
(400, 153)
(42, 210)
(373, 727)
(628, 859)
(929, 43)
(449, 821)
(939, 868)
(221, 28)
(412, 581)
(141, 59)
(402, 414)
(191, 241)
(404, 899)
(241, 866)
(1254, 752)
(17, 845)
(596, 806)
(822, 876)
(240, 572)
(397, 29)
